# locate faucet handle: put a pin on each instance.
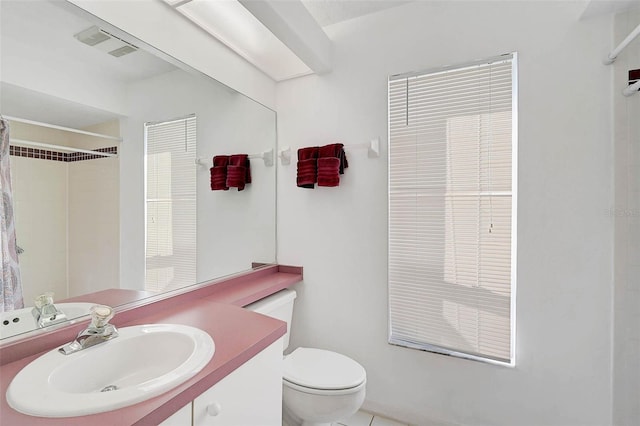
(43, 299)
(45, 312)
(100, 315)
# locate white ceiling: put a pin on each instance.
(606, 7)
(236, 27)
(16, 101)
(43, 30)
(51, 27)
(328, 12)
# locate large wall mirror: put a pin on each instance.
(139, 215)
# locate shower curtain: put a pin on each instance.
(10, 285)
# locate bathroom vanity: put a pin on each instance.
(245, 371)
(250, 395)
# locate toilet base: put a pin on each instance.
(290, 419)
(319, 409)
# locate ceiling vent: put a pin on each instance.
(100, 39)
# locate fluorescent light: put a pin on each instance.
(237, 28)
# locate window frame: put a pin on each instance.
(433, 348)
(146, 126)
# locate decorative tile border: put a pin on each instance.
(43, 154)
(80, 156)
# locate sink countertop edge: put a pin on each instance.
(219, 314)
(239, 290)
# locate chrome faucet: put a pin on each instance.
(45, 312)
(99, 331)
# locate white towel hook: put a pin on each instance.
(266, 156)
(285, 156)
(373, 147)
(631, 89)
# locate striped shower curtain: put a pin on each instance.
(10, 285)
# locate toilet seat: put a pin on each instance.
(323, 392)
(319, 371)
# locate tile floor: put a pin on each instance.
(362, 418)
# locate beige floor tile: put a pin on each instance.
(361, 418)
(383, 421)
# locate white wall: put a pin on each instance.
(94, 216)
(626, 212)
(156, 24)
(67, 216)
(564, 275)
(94, 225)
(41, 195)
(234, 228)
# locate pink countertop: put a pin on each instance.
(111, 297)
(238, 334)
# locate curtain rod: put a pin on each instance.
(59, 147)
(615, 52)
(66, 129)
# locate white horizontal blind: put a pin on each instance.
(170, 204)
(450, 210)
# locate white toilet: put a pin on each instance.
(318, 386)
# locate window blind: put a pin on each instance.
(451, 216)
(170, 249)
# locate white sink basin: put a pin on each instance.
(22, 320)
(141, 363)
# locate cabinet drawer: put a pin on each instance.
(249, 396)
(181, 417)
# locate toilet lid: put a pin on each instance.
(321, 369)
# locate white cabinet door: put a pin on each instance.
(181, 417)
(249, 396)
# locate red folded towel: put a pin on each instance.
(332, 161)
(328, 171)
(238, 171)
(242, 160)
(307, 167)
(219, 173)
(335, 150)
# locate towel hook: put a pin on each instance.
(285, 156)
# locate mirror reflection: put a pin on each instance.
(110, 156)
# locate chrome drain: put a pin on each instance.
(109, 388)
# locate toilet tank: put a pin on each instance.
(279, 305)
